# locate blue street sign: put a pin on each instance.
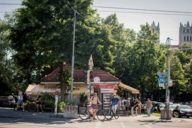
(161, 79)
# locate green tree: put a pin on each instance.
(41, 34)
(6, 64)
(188, 72)
(142, 62)
(178, 77)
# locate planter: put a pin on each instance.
(71, 111)
(166, 114)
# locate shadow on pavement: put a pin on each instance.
(147, 120)
(13, 117)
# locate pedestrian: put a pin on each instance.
(132, 104)
(20, 100)
(136, 106)
(114, 102)
(39, 103)
(149, 106)
(92, 106)
(139, 106)
(127, 104)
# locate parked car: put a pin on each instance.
(172, 106)
(157, 106)
(182, 110)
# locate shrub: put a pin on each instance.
(83, 99)
(61, 106)
(30, 106)
(48, 102)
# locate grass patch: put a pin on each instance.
(156, 114)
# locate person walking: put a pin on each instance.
(149, 106)
(20, 100)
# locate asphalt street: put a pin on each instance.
(19, 119)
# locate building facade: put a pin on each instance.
(185, 33)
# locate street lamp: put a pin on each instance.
(90, 67)
(73, 55)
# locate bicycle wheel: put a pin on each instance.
(101, 115)
(83, 113)
(108, 114)
(116, 115)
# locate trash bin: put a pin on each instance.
(166, 114)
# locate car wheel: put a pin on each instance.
(176, 114)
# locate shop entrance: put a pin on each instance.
(105, 93)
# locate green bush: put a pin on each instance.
(83, 99)
(48, 102)
(61, 106)
(30, 106)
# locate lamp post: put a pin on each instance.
(90, 67)
(73, 55)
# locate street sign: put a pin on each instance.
(161, 79)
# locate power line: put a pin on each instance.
(121, 8)
(10, 4)
(145, 10)
(176, 14)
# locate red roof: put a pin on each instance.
(80, 75)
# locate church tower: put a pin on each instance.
(156, 29)
(185, 33)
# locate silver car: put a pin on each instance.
(182, 110)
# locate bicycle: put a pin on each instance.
(109, 114)
(84, 113)
(101, 114)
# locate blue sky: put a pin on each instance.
(169, 24)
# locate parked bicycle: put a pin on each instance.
(109, 114)
(84, 113)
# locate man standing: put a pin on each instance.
(114, 102)
(149, 106)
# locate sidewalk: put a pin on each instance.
(11, 118)
(8, 115)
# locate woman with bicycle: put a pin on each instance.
(92, 106)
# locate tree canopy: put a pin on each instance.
(38, 37)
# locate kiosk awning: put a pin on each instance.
(128, 88)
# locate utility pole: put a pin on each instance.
(168, 114)
(73, 54)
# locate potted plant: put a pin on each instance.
(83, 99)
